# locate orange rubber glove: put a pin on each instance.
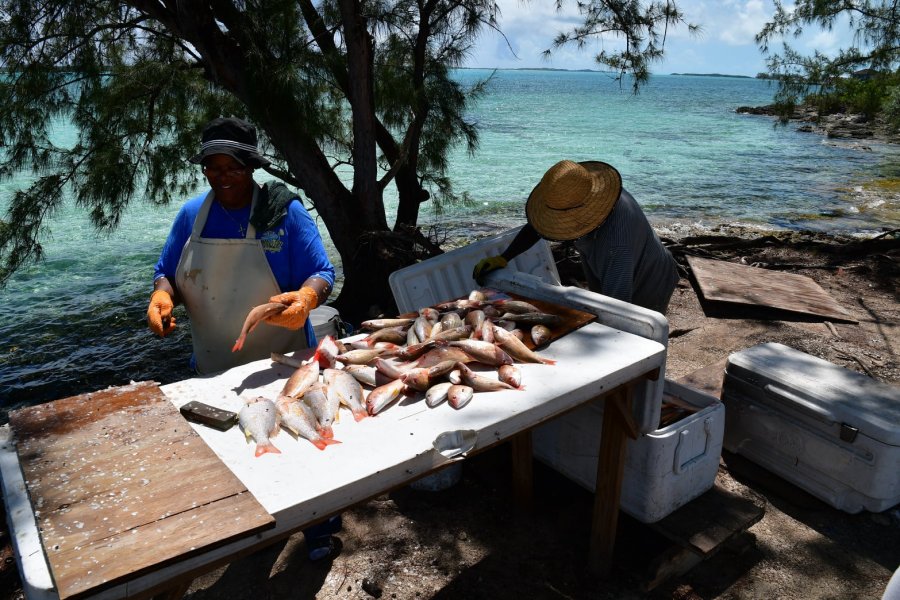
(485, 266)
(159, 313)
(300, 303)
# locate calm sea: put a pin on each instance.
(76, 322)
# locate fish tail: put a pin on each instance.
(238, 344)
(323, 443)
(264, 447)
(548, 361)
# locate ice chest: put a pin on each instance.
(829, 430)
(664, 469)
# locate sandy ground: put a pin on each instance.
(468, 542)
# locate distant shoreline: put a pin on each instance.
(598, 71)
(713, 75)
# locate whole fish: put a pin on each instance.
(299, 418)
(437, 393)
(301, 380)
(383, 396)
(430, 313)
(484, 352)
(532, 318)
(516, 306)
(480, 383)
(440, 353)
(375, 324)
(411, 352)
(366, 375)
(359, 357)
(451, 320)
(517, 348)
(459, 395)
(474, 319)
(422, 327)
(510, 374)
(418, 379)
(259, 421)
(449, 335)
(287, 360)
(326, 352)
(324, 407)
(257, 314)
(540, 334)
(391, 368)
(395, 335)
(342, 385)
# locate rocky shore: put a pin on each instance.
(838, 125)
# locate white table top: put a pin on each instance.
(379, 453)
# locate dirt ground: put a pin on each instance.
(468, 542)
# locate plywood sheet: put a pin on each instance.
(723, 281)
(121, 485)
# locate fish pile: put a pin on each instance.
(429, 353)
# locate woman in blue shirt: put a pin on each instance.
(235, 247)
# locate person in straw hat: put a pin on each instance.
(584, 202)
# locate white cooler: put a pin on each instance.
(664, 469)
(829, 430)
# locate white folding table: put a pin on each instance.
(303, 485)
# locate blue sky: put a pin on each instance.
(725, 45)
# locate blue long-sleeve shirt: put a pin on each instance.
(293, 248)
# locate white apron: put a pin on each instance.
(219, 281)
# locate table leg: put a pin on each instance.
(522, 471)
(610, 469)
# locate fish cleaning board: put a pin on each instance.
(121, 485)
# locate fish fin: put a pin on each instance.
(266, 448)
(322, 443)
(359, 414)
(548, 361)
(326, 432)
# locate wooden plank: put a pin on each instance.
(705, 523)
(522, 471)
(707, 379)
(722, 281)
(610, 471)
(122, 486)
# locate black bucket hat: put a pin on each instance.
(231, 136)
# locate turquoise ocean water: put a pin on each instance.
(76, 322)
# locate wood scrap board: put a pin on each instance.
(121, 485)
(723, 281)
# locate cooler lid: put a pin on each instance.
(831, 391)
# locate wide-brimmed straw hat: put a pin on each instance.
(573, 199)
(231, 136)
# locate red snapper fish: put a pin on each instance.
(257, 314)
(259, 420)
(299, 418)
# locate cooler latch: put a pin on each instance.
(848, 433)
